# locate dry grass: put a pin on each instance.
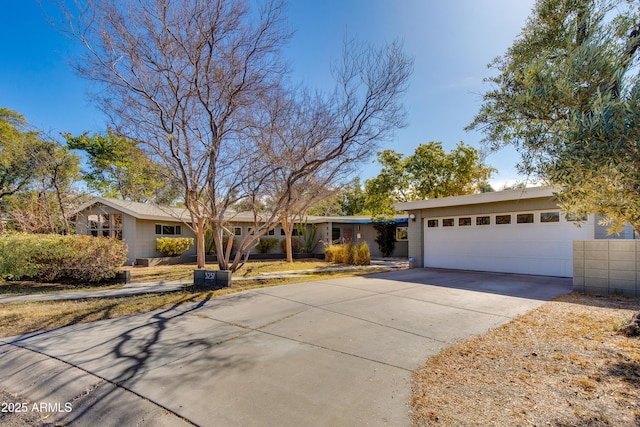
(24, 287)
(185, 272)
(560, 365)
(27, 317)
(157, 273)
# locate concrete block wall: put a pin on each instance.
(607, 267)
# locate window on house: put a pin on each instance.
(92, 222)
(237, 231)
(503, 219)
(335, 234)
(431, 223)
(168, 230)
(105, 225)
(550, 217)
(271, 232)
(483, 220)
(447, 222)
(402, 233)
(294, 232)
(524, 218)
(464, 222)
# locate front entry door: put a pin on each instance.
(347, 235)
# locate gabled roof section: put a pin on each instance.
(140, 210)
(476, 199)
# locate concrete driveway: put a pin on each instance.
(328, 353)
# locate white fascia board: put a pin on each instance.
(476, 199)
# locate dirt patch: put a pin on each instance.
(562, 364)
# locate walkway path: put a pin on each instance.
(176, 285)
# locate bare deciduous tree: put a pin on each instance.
(314, 141)
(179, 77)
(200, 85)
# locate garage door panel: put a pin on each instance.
(538, 248)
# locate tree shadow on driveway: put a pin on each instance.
(116, 352)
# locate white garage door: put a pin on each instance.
(524, 242)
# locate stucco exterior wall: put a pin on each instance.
(489, 208)
(146, 238)
(415, 247)
(129, 236)
(602, 232)
(607, 266)
(360, 233)
(138, 235)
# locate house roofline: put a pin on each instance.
(182, 215)
(125, 206)
(481, 198)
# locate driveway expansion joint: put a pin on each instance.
(324, 308)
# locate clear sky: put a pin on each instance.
(452, 42)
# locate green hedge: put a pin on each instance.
(266, 244)
(52, 257)
(173, 246)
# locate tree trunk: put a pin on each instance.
(65, 221)
(223, 252)
(200, 249)
(287, 227)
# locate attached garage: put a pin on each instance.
(531, 242)
(511, 231)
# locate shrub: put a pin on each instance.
(266, 244)
(330, 253)
(307, 237)
(386, 238)
(16, 253)
(51, 257)
(348, 254)
(173, 246)
(361, 255)
(295, 245)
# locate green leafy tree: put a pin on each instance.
(567, 97)
(18, 145)
(427, 174)
(38, 173)
(352, 198)
(348, 200)
(58, 169)
(119, 168)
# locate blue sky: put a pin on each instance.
(452, 42)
